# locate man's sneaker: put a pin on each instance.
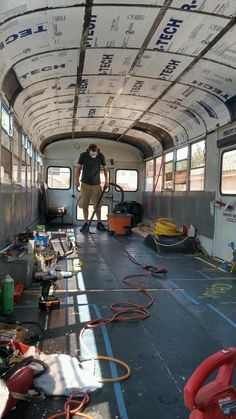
(84, 228)
(101, 227)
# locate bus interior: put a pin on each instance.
(138, 320)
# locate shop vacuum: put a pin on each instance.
(125, 215)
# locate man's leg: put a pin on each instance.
(84, 227)
(85, 212)
(84, 203)
(96, 195)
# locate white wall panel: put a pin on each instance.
(164, 66)
(187, 118)
(176, 131)
(152, 141)
(221, 7)
(95, 100)
(214, 78)
(50, 111)
(139, 86)
(122, 26)
(209, 107)
(50, 90)
(101, 84)
(115, 122)
(112, 130)
(224, 51)
(132, 102)
(124, 113)
(33, 34)
(109, 61)
(186, 33)
(11, 8)
(92, 112)
(46, 66)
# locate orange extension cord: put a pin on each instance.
(74, 407)
(139, 312)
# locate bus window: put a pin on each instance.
(149, 175)
(181, 169)
(104, 213)
(228, 173)
(168, 171)
(197, 168)
(158, 174)
(5, 165)
(127, 179)
(58, 177)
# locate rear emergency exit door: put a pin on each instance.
(225, 207)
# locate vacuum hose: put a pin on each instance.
(120, 189)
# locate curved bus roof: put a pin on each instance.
(154, 73)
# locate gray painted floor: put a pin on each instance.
(193, 316)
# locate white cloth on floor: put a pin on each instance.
(64, 376)
(4, 393)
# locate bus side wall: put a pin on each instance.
(183, 207)
(190, 207)
(19, 208)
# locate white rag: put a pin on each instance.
(64, 376)
(4, 393)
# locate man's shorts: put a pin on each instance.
(87, 193)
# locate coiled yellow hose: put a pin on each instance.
(165, 227)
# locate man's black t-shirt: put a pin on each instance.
(91, 168)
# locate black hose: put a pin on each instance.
(120, 189)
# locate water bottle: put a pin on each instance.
(7, 294)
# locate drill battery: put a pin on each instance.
(49, 303)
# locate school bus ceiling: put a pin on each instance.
(69, 68)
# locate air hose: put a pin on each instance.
(124, 311)
(166, 227)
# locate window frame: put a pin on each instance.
(199, 167)
(131, 170)
(59, 189)
(221, 167)
(173, 170)
(159, 174)
(10, 116)
(7, 164)
(176, 161)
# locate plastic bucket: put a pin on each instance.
(119, 223)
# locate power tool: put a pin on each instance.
(47, 300)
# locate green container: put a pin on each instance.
(7, 302)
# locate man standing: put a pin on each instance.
(91, 162)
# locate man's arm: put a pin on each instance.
(78, 175)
